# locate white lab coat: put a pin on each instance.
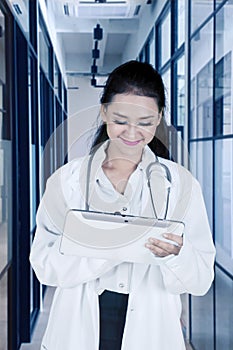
(154, 307)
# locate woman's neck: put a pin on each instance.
(119, 166)
(122, 165)
(126, 163)
(118, 171)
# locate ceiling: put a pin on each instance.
(75, 21)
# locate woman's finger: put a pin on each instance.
(157, 250)
(173, 237)
(162, 248)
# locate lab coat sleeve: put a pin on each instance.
(192, 270)
(51, 267)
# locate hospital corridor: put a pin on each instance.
(55, 59)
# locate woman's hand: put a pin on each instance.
(161, 248)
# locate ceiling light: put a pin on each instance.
(95, 53)
(17, 9)
(94, 69)
(93, 82)
(98, 35)
(66, 10)
(98, 32)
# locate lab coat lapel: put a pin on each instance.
(138, 273)
(88, 179)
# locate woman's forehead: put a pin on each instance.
(127, 103)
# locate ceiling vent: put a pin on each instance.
(19, 6)
(103, 8)
(17, 9)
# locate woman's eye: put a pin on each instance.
(124, 122)
(120, 122)
(145, 124)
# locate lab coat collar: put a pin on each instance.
(147, 156)
(99, 155)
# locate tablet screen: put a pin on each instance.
(101, 230)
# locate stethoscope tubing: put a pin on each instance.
(148, 172)
(168, 177)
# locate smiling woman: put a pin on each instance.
(135, 91)
(103, 304)
(131, 122)
(125, 118)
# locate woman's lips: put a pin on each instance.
(131, 143)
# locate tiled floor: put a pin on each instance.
(41, 324)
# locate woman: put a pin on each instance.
(107, 304)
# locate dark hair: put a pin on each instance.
(137, 78)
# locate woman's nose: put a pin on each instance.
(131, 129)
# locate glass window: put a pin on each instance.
(202, 318)
(224, 311)
(223, 112)
(5, 194)
(223, 71)
(201, 157)
(63, 96)
(3, 313)
(142, 56)
(5, 191)
(21, 11)
(165, 37)
(1, 129)
(167, 83)
(205, 101)
(181, 22)
(1, 97)
(47, 122)
(5, 163)
(56, 76)
(192, 118)
(2, 57)
(200, 10)
(57, 79)
(219, 2)
(59, 136)
(202, 313)
(202, 82)
(152, 49)
(32, 142)
(224, 202)
(180, 90)
(33, 12)
(44, 48)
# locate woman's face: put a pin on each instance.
(131, 121)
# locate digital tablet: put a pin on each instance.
(113, 235)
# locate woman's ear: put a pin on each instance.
(103, 111)
(160, 116)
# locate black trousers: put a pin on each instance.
(113, 307)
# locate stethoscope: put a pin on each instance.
(168, 177)
(148, 175)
